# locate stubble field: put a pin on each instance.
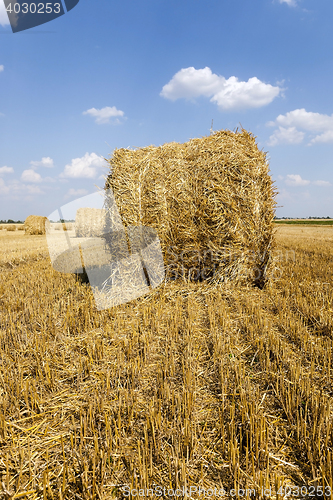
(194, 385)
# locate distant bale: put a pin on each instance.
(11, 227)
(20, 227)
(65, 226)
(90, 222)
(35, 224)
(211, 201)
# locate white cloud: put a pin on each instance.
(291, 3)
(317, 123)
(325, 137)
(241, 95)
(322, 183)
(17, 188)
(6, 170)
(86, 167)
(3, 15)
(286, 136)
(29, 189)
(1, 66)
(105, 114)
(190, 82)
(30, 176)
(3, 188)
(76, 192)
(306, 120)
(228, 94)
(296, 180)
(45, 162)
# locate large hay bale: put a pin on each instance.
(35, 224)
(211, 200)
(89, 222)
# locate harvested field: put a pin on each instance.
(193, 385)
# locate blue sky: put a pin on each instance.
(130, 74)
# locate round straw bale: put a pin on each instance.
(89, 222)
(11, 227)
(211, 200)
(35, 224)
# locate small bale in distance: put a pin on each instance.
(11, 227)
(36, 225)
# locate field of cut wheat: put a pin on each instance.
(226, 390)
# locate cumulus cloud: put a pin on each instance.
(296, 180)
(325, 137)
(6, 170)
(286, 135)
(290, 3)
(45, 162)
(85, 167)
(190, 82)
(30, 176)
(76, 192)
(322, 183)
(320, 125)
(229, 94)
(105, 114)
(18, 190)
(3, 188)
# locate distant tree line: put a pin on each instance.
(302, 218)
(10, 221)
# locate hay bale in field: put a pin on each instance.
(20, 227)
(90, 222)
(35, 224)
(11, 227)
(211, 200)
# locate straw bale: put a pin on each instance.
(11, 227)
(90, 222)
(211, 200)
(35, 224)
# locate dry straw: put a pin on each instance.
(211, 200)
(35, 224)
(11, 227)
(89, 222)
